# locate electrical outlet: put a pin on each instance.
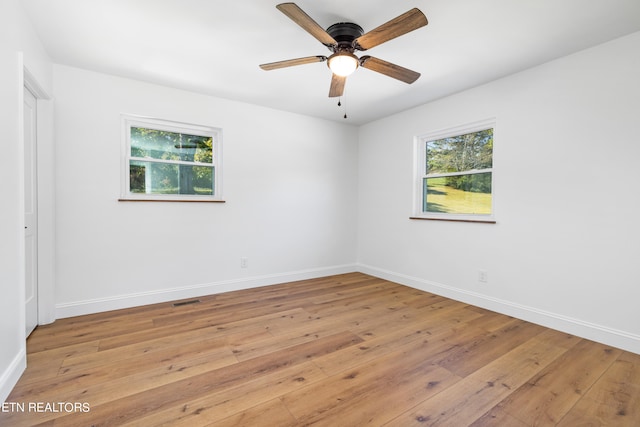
(483, 277)
(244, 262)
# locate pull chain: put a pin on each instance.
(340, 105)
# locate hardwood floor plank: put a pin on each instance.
(45, 365)
(234, 325)
(118, 370)
(354, 396)
(272, 413)
(271, 343)
(467, 400)
(549, 395)
(221, 404)
(613, 400)
(221, 312)
(51, 339)
(123, 366)
(161, 349)
(498, 418)
(344, 350)
(487, 347)
(103, 390)
(132, 407)
(433, 344)
(378, 297)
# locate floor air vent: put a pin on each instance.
(193, 301)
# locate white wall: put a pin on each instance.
(19, 49)
(565, 249)
(290, 185)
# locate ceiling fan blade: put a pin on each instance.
(388, 69)
(403, 24)
(299, 16)
(337, 86)
(292, 62)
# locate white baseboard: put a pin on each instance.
(602, 334)
(12, 374)
(78, 308)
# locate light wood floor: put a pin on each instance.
(347, 350)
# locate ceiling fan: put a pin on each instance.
(344, 38)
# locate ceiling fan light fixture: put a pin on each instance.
(342, 63)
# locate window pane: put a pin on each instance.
(163, 178)
(460, 153)
(158, 144)
(462, 194)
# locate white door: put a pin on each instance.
(30, 211)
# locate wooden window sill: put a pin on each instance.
(172, 200)
(482, 221)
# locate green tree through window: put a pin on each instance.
(170, 178)
(471, 151)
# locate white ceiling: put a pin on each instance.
(214, 47)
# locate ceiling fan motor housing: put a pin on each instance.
(344, 33)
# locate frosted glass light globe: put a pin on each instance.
(343, 63)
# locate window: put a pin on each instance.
(454, 174)
(166, 160)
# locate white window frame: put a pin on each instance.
(129, 121)
(420, 172)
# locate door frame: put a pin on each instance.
(45, 199)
